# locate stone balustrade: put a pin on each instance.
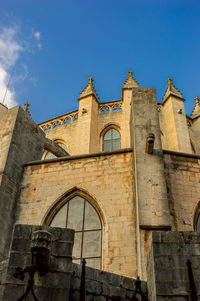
(110, 106)
(58, 121)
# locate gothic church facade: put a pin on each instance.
(113, 171)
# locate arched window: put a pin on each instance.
(111, 140)
(80, 215)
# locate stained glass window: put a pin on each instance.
(111, 140)
(80, 215)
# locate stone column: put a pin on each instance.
(55, 283)
(149, 179)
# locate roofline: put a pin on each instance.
(83, 156)
(180, 154)
(59, 116)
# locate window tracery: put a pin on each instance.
(80, 215)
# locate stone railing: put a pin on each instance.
(58, 121)
(110, 106)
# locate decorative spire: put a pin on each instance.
(26, 107)
(172, 90)
(89, 89)
(130, 81)
(196, 109)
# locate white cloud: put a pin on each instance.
(9, 47)
(10, 50)
(6, 94)
(37, 36)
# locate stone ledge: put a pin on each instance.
(84, 156)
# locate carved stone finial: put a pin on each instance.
(90, 79)
(172, 90)
(41, 238)
(130, 73)
(26, 106)
(197, 99)
(196, 110)
(89, 89)
(130, 81)
(169, 80)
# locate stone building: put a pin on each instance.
(115, 172)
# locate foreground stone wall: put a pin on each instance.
(103, 286)
(55, 285)
(107, 179)
(183, 182)
(167, 269)
(21, 141)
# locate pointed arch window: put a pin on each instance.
(111, 140)
(80, 215)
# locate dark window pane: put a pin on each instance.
(92, 244)
(108, 135)
(60, 218)
(49, 156)
(198, 223)
(94, 263)
(116, 144)
(75, 214)
(107, 145)
(92, 220)
(63, 146)
(77, 245)
(115, 134)
(78, 261)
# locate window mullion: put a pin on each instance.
(83, 229)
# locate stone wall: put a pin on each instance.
(71, 134)
(55, 284)
(183, 183)
(106, 178)
(103, 286)
(21, 141)
(62, 280)
(167, 265)
(173, 125)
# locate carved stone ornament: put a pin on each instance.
(41, 239)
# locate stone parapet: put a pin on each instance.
(167, 269)
(53, 285)
(103, 286)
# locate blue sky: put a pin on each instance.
(50, 47)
